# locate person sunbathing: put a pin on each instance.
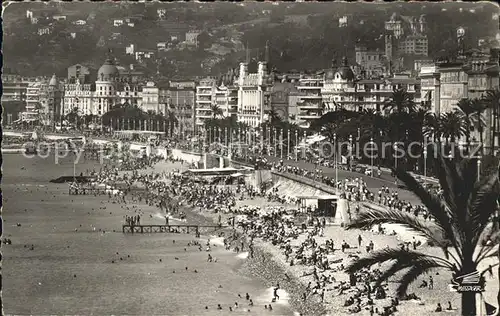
(438, 308)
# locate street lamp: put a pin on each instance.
(425, 165)
(276, 142)
(395, 160)
(371, 155)
(336, 169)
(288, 144)
(350, 151)
(281, 144)
(478, 169)
(380, 155)
(296, 145)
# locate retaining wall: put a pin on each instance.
(190, 157)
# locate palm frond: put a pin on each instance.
(434, 206)
(413, 273)
(370, 216)
(450, 181)
(389, 254)
(482, 205)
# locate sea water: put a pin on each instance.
(79, 266)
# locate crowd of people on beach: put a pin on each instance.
(298, 235)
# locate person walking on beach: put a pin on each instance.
(276, 296)
(360, 239)
(431, 283)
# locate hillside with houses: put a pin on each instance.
(183, 40)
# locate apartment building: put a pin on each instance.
(205, 92)
(178, 97)
(370, 62)
(150, 98)
(430, 87)
(310, 101)
(226, 98)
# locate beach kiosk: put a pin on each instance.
(325, 205)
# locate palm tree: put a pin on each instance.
(74, 117)
(452, 126)
(465, 105)
(400, 102)
(478, 107)
(492, 99)
(432, 127)
(274, 118)
(461, 220)
(216, 111)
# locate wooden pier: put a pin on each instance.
(88, 191)
(185, 229)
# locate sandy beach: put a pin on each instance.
(333, 303)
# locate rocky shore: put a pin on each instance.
(267, 269)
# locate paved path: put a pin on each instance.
(373, 183)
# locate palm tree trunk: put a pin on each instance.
(497, 227)
(492, 132)
(469, 304)
(481, 139)
(468, 134)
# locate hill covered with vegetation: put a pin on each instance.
(300, 35)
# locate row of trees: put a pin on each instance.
(406, 123)
(409, 123)
(125, 116)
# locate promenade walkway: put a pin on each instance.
(373, 183)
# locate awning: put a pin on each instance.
(237, 175)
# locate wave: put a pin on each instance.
(268, 295)
(242, 255)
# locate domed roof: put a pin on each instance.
(53, 81)
(345, 71)
(108, 71)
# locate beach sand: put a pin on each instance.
(333, 302)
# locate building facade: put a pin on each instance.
(150, 98)
(226, 98)
(430, 87)
(253, 94)
(98, 97)
(180, 100)
(14, 88)
(337, 83)
(79, 72)
(342, 91)
(284, 97)
(453, 84)
(370, 62)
